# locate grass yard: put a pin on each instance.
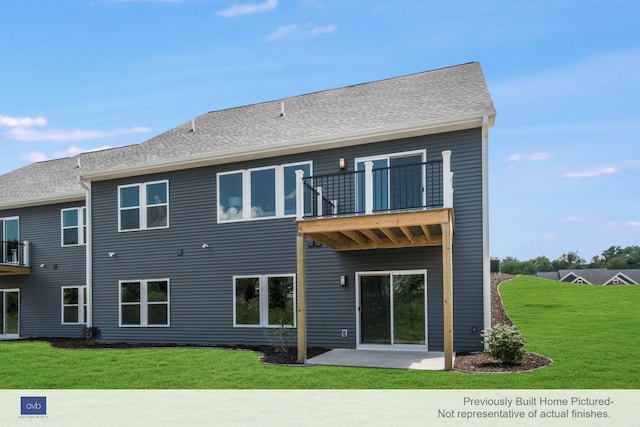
(589, 332)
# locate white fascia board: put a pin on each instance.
(75, 197)
(300, 146)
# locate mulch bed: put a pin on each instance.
(478, 362)
(483, 363)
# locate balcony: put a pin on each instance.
(397, 206)
(14, 258)
(402, 205)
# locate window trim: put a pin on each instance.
(246, 191)
(81, 306)
(82, 226)
(142, 205)
(263, 283)
(144, 303)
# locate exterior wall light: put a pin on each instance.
(342, 163)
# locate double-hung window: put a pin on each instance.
(264, 300)
(143, 206)
(144, 303)
(74, 305)
(259, 193)
(74, 226)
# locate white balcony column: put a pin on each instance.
(368, 187)
(299, 194)
(319, 201)
(25, 253)
(447, 180)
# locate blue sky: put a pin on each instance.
(79, 75)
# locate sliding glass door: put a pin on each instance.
(9, 313)
(398, 181)
(9, 236)
(392, 309)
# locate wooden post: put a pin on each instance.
(447, 294)
(301, 293)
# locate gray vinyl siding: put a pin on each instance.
(40, 291)
(201, 292)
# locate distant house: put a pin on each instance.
(330, 213)
(595, 276)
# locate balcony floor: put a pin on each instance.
(13, 270)
(378, 231)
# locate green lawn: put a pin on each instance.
(590, 332)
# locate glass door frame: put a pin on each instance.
(7, 256)
(392, 345)
(3, 313)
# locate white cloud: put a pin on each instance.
(591, 173)
(634, 224)
(309, 30)
(532, 156)
(39, 156)
(148, 1)
(67, 135)
(573, 219)
(320, 30)
(11, 122)
(36, 156)
(248, 8)
(282, 32)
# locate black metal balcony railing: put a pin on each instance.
(14, 253)
(411, 186)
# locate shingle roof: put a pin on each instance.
(429, 97)
(596, 276)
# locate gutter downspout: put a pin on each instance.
(88, 255)
(486, 256)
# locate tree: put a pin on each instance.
(569, 260)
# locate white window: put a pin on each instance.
(144, 303)
(259, 193)
(143, 206)
(74, 226)
(74, 305)
(264, 300)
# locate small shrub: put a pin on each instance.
(91, 334)
(279, 337)
(506, 343)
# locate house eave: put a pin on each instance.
(66, 198)
(299, 146)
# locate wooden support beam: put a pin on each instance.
(407, 232)
(376, 221)
(301, 293)
(447, 293)
(353, 235)
(427, 233)
(13, 270)
(387, 232)
(371, 235)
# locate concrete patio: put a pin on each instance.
(419, 360)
